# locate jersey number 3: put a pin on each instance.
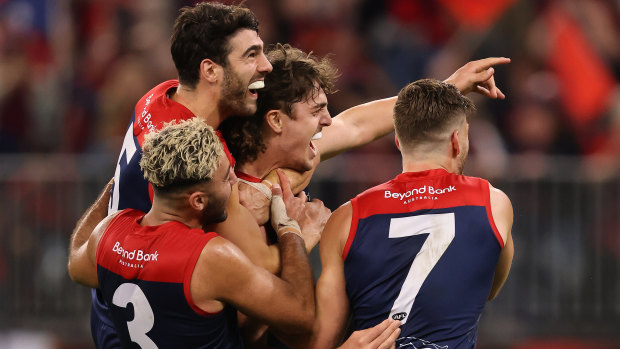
(440, 229)
(143, 318)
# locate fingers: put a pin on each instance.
(276, 190)
(302, 195)
(393, 332)
(286, 185)
(486, 63)
(385, 339)
(376, 331)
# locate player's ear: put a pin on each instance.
(455, 143)
(274, 120)
(397, 142)
(198, 200)
(209, 70)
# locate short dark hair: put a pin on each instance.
(203, 31)
(426, 107)
(294, 78)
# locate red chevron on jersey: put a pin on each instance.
(412, 191)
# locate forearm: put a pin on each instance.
(357, 126)
(87, 223)
(296, 271)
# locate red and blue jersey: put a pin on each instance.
(422, 248)
(131, 190)
(151, 113)
(144, 275)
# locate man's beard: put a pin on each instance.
(232, 101)
(213, 215)
(460, 166)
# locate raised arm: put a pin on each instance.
(364, 123)
(82, 231)
(501, 209)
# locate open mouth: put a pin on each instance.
(316, 136)
(256, 85)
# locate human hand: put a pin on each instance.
(311, 216)
(478, 76)
(255, 201)
(382, 336)
(284, 205)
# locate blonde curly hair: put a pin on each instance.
(181, 153)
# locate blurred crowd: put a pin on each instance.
(71, 70)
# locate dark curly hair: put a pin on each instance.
(294, 78)
(203, 31)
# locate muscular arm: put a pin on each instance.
(82, 232)
(224, 273)
(242, 229)
(332, 304)
(84, 260)
(331, 297)
(364, 123)
(501, 209)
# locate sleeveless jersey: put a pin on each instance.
(144, 274)
(422, 248)
(130, 189)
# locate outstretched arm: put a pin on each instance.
(501, 209)
(364, 123)
(82, 232)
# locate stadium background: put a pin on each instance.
(71, 71)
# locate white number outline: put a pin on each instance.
(440, 229)
(143, 318)
(129, 148)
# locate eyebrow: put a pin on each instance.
(252, 48)
(320, 106)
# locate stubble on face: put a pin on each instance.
(233, 98)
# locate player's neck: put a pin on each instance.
(412, 164)
(266, 161)
(201, 102)
(258, 168)
(162, 213)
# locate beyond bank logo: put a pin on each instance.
(425, 192)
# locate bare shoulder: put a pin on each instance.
(500, 201)
(336, 230)
(220, 251)
(103, 225)
(501, 208)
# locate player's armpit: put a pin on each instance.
(357, 126)
(83, 230)
(501, 209)
(241, 229)
(224, 273)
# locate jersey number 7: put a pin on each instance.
(440, 229)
